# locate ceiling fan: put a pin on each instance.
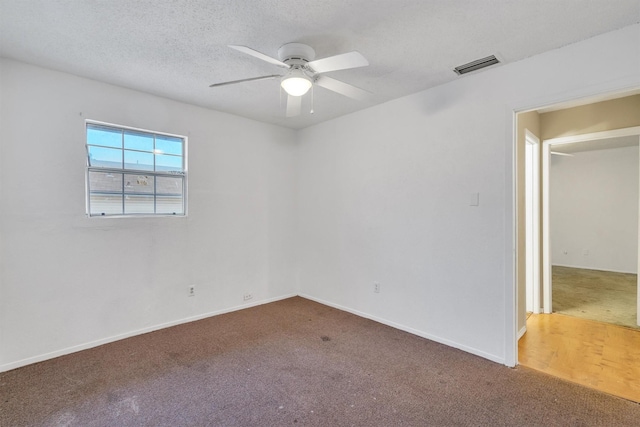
(303, 71)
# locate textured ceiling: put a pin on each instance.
(176, 48)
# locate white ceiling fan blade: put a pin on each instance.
(561, 154)
(339, 62)
(259, 55)
(245, 80)
(294, 106)
(343, 88)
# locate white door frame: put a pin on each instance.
(546, 233)
(532, 219)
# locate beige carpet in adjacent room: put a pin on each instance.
(603, 296)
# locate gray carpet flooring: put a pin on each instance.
(293, 363)
(604, 296)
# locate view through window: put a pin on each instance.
(134, 172)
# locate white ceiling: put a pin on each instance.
(177, 48)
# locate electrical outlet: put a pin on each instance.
(192, 291)
(247, 297)
(376, 288)
(585, 252)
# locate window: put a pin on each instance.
(134, 172)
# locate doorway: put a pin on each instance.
(552, 253)
(578, 350)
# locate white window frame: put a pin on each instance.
(130, 171)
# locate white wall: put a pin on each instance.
(379, 195)
(68, 281)
(594, 207)
(384, 194)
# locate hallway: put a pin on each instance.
(598, 355)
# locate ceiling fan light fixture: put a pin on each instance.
(296, 83)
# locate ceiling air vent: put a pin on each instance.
(476, 65)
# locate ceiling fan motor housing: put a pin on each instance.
(296, 53)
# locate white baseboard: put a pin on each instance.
(413, 331)
(88, 345)
(92, 344)
(522, 331)
(593, 268)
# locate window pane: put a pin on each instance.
(138, 141)
(105, 196)
(103, 182)
(169, 198)
(171, 205)
(168, 145)
(105, 204)
(138, 204)
(138, 160)
(105, 157)
(138, 184)
(168, 163)
(98, 135)
(169, 185)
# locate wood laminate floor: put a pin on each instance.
(602, 356)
